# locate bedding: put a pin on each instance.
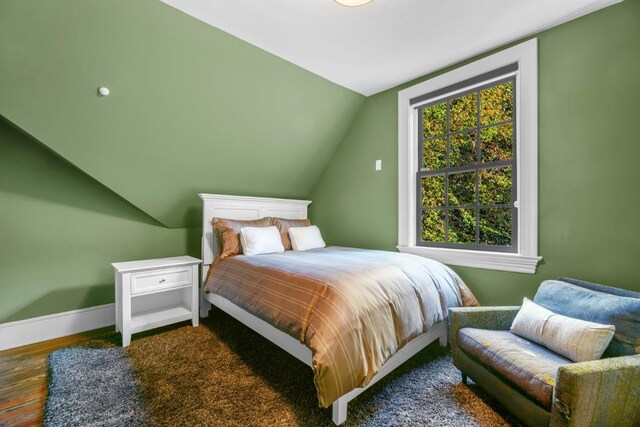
(284, 224)
(260, 240)
(353, 308)
(305, 238)
(227, 233)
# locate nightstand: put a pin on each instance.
(155, 292)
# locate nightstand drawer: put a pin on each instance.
(160, 279)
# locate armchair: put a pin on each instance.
(541, 387)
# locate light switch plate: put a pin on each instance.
(378, 165)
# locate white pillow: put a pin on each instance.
(260, 240)
(575, 339)
(305, 238)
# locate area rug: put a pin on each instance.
(91, 387)
(223, 374)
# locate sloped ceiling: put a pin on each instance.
(192, 108)
(387, 42)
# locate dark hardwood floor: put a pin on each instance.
(23, 378)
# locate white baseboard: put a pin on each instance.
(43, 328)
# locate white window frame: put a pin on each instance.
(526, 259)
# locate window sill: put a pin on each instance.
(489, 260)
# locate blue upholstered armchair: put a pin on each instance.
(541, 387)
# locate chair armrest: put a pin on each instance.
(599, 392)
(496, 318)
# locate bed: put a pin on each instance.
(353, 315)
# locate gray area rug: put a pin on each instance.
(92, 387)
(223, 374)
(430, 394)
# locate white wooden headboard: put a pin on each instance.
(242, 207)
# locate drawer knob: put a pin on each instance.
(162, 281)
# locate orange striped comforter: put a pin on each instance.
(354, 308)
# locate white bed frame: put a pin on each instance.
(242, 207)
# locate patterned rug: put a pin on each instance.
(223, 374)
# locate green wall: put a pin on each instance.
(96, 180)
(589, 92)
(60, 230)
(101, 179)
(192, 109)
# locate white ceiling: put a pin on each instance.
(375, 47)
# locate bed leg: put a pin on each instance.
(340, 410)
(205, 306)
(444, 336)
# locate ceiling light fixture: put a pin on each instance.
(352, 3)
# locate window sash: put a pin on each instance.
(476, 167)
(444, 92)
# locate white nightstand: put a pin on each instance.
(155, 292)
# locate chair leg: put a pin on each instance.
(464, 378)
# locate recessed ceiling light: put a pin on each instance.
(352, 3)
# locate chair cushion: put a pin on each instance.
(592, 305)
(529, 366)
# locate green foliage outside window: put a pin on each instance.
(464, 113)
(471, 203)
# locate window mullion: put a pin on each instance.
(478, 154)
(468, 168)
(421, 138)
(446, 175)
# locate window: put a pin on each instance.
(468, 164)
(466, 189)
